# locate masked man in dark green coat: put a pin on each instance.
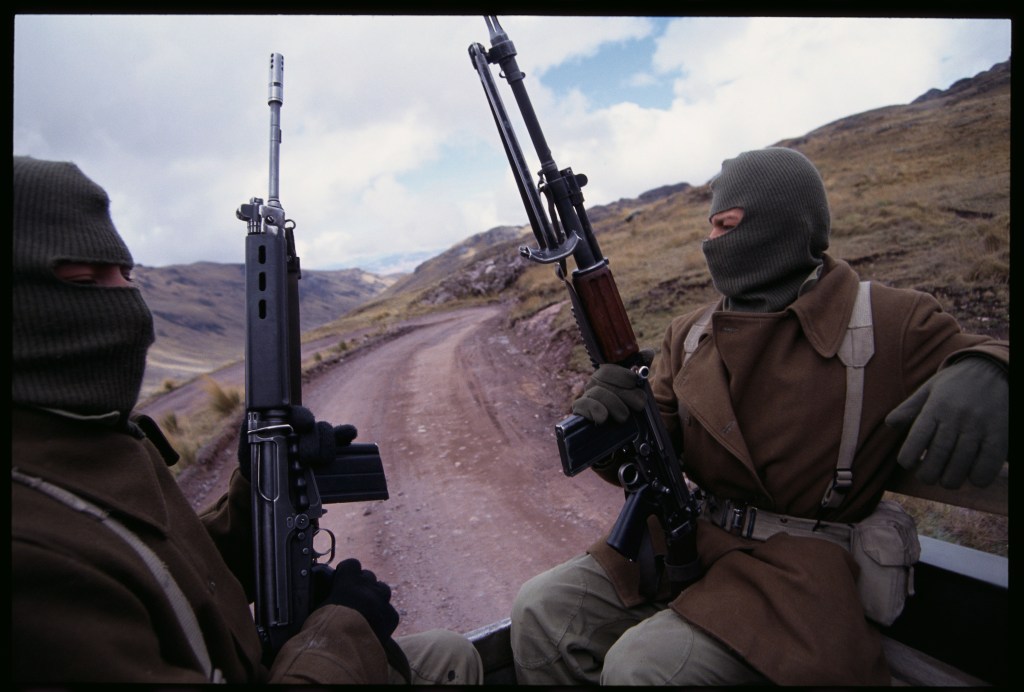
(115, 578)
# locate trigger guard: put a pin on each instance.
(330, 551)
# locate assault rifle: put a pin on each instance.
(291, 478)
(651, 475)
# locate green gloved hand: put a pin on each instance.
(612, 392)
(958, 424)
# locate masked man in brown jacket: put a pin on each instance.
(753, 392)
(115, 577)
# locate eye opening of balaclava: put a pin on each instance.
(760, 265)
(77, 348)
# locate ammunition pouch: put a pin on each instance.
(886, 547)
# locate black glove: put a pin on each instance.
(323, 580)
(958, 422)
(354, 587)
(318, 441)
(359, 589)
(613, 391)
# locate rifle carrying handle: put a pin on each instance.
(605, 312)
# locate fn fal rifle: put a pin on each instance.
(293, 472)
(650, 474)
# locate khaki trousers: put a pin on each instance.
(569, 627)
(439, 657)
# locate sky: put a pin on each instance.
(389, 154)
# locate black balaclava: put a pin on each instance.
(760, 265)
(76, 348)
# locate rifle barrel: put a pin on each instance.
(275, 99)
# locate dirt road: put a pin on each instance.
(478, 503)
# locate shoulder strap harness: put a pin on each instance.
(856, 350)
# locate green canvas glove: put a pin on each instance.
(612, 392)
(958, 422)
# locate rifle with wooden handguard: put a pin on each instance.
(650, 472)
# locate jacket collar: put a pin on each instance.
(108, 466)
(824, 311)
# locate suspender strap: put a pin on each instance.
(180, 605)
(856, 350)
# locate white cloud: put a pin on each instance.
(743, 83)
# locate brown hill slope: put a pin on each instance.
(199, 313)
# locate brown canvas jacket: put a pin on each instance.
(757, 415)
(86, 609)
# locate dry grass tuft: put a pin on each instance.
(188, 434)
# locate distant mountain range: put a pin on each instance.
(398, 263)
(199, 312)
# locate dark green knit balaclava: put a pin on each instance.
(77, 348)
(760, 265)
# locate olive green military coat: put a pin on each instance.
(757, 414)
(86, 609)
